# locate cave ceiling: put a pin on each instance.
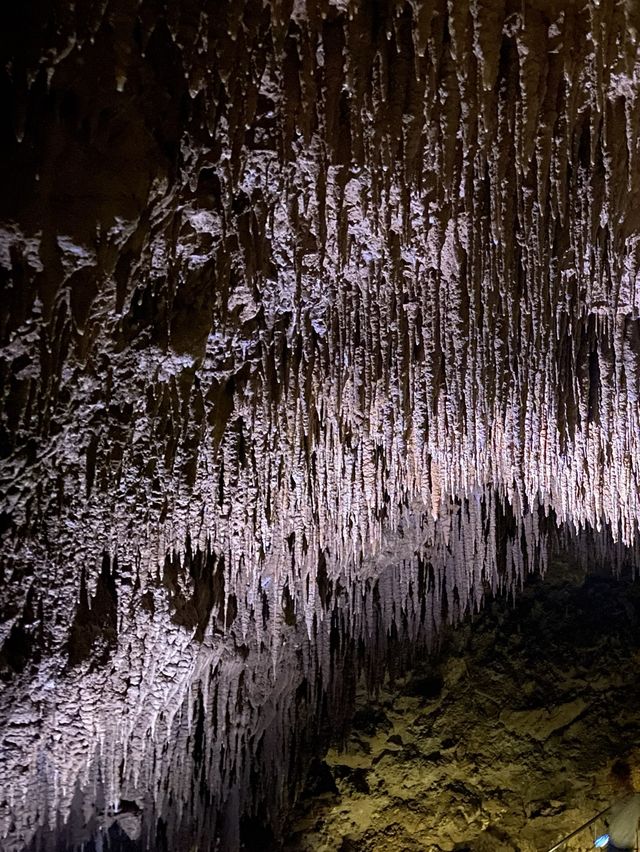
(319, 320)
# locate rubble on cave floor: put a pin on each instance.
(501, 743)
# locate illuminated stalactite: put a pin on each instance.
(292, 295)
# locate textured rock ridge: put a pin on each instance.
(292, 293)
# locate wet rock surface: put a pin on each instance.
(511, 749)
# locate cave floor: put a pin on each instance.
(503, 742)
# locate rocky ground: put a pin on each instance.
(501, 743)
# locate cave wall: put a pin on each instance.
(294, 295)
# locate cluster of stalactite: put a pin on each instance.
(293, 292)
(210, 746)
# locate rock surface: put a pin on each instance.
(502, 742)
(317, 319)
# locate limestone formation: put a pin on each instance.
(318, 319)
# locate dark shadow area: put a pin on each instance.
(501, 738)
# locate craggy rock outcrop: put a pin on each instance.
(292, 292)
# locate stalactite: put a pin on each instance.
(359, 282)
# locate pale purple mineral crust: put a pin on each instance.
(315, 316)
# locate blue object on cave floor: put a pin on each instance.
(601, 841)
